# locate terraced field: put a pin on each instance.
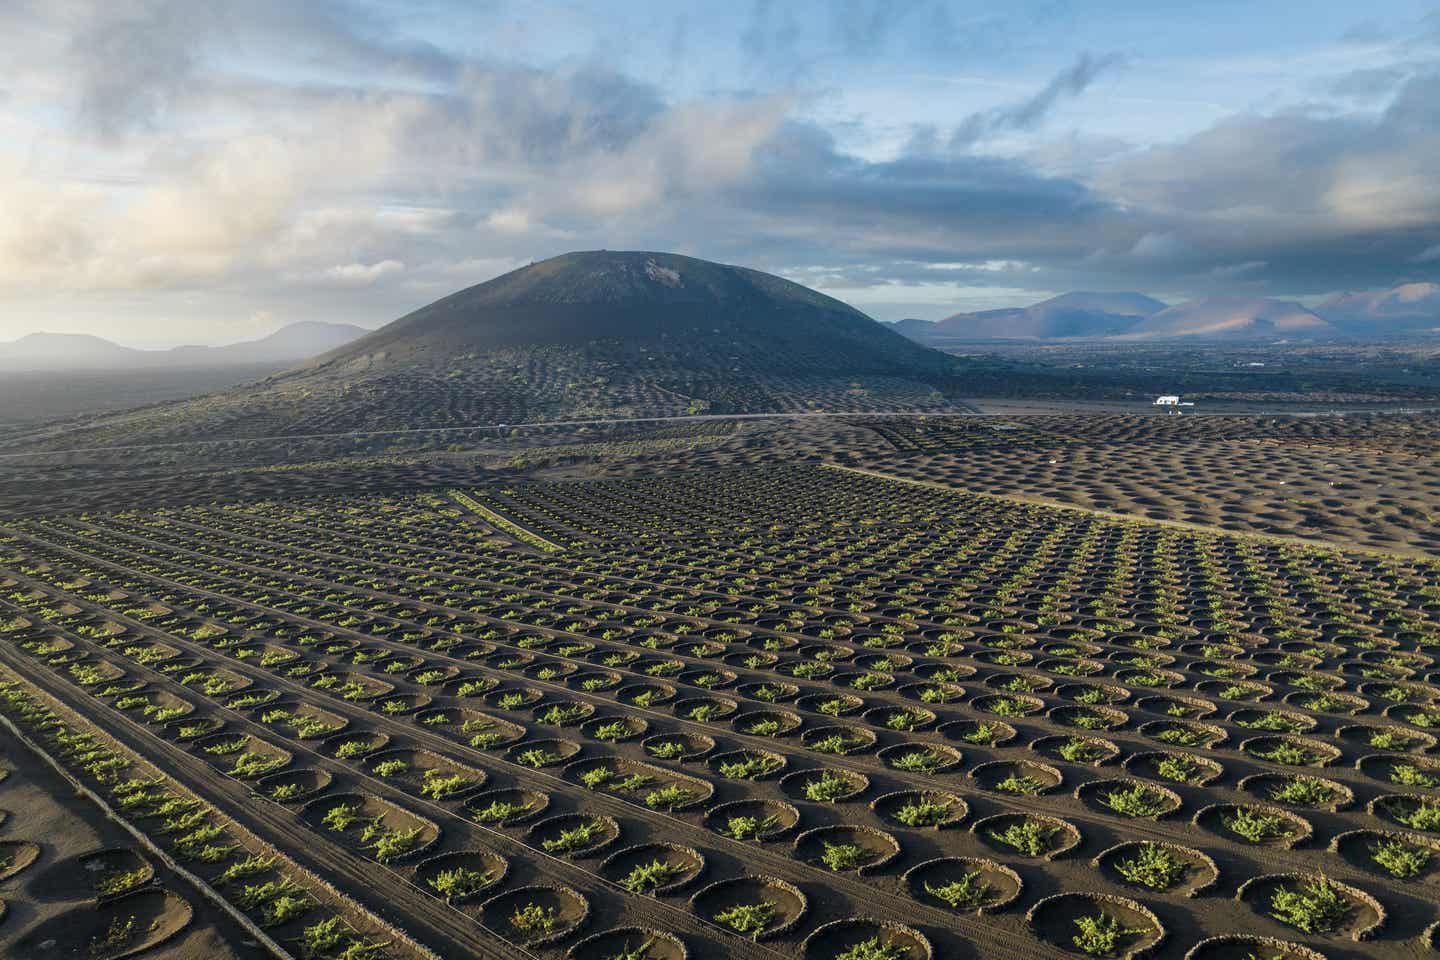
(763, 712)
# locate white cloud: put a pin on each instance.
(1158, 246)
(362, 274)
(309, 157)
(984, 266)
(1232, 271)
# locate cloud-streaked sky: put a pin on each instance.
(176, 171)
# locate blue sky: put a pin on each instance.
(177, 172)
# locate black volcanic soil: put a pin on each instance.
(53, 896)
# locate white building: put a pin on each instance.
(1172, 402)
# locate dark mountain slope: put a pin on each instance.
(1411, 308)
(1234, 318)
(1077, 314)
(585, 335)
(639, 299)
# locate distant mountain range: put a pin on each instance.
(71, 351)
(1412, 309)
(1408, 308)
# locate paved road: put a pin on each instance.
(962, 408)
(498, 427)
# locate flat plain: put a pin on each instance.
(716, 712)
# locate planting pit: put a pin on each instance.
(294, 786)
(839, 937)
(1028, 835)
(1008, 705)
(241, 755)
(748, 764)
(831, 704)
(964, 884)
(771, 692)
(254, 700)
(1393, 739)
(574, 834)
(653, 787)
(593, 681)
(106, 931)
(1300, 790)
(635, 868)
(513, 698)
(1291, 751)
(507, 807)
(95, 867)
(1181, 733)
(1073, 748)
(400, 704)
(1358, 916)
(1412, 811)
(1152, 867)
(628, 942)
(355, 687)
(1092, 694)
(154, 706)
(1257, 825)
(192, 728)
(562, 713)
(1123, 797)
(645, 695)
(423, 773)
(303, 721)
(1174, 767)
(982, 733)
(473, 872)
(614, 729)
(1235, 946)
(537, 915)
(846, 848)
(1060, 919)
(354, 744)
(758, 907)
(542, 753)
(371, 826)
(1285, 720)
(921, 809)
(766, 723)
(470, 687)
(470, 727)
(757, 820)
(922, 758)
(1177, 707)
(705, 709)
(16, 856)
(678, 747)
(1401, 770)
(1089, 718)
(1402, 856)
(822, 785)
(1016, 777)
